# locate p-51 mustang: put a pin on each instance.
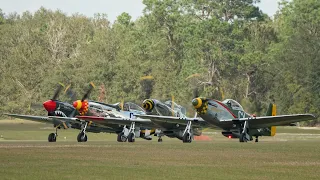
(229, 116)
(160, 118)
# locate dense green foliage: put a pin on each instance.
(218, 49)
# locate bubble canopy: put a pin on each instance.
(176, 107)
(233, 104)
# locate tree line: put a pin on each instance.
(183, 48)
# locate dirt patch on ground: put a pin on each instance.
(202, 138)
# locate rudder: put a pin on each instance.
(272, 111)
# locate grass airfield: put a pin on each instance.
(294, 153)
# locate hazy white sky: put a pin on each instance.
(112, 8)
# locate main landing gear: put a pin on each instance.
(127, 134)
(244, 129)
(131, 136)
(53, 136)
(122, 137)
(187, 135)
(82, 137)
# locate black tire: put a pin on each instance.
(52, 137)
(242, 138)
(131, 138)
(121, 137)
(82, 137)
(187, 138)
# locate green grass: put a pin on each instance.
(285, 156)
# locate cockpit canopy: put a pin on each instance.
(177, 108)
(233, 104)
(129, 106)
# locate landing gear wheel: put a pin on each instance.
(131, 137)
(242, 138)
(160, 140)
(52, 137)
(121, 137)
(82, 137)
(187, 138)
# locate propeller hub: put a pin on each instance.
(148, 104)
(77, 104)
(50, 105)
(197, 103)
(81, 106)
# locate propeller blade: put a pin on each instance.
(35, 106)
(122, 103)
(172, 105)
(196, 93)
(69, 92)
(58, 90)
(86, 95)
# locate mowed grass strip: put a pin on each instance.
(151, 160)
(103, 158)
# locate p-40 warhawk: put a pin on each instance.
(229, 116)
(62, 115)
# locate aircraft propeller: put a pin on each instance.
(69, 92)
(82, 105)
(57, 91)
(51, 104)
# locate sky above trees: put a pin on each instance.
(89, 8)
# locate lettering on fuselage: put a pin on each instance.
(132, 116)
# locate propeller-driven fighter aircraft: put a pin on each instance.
(62, 115)
(160, 118)
(229, 116)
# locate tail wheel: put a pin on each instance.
(52, 137)
(131, 137)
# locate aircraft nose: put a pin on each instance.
(77, 104)
(196, 102)
(148, 104)
(50, 105)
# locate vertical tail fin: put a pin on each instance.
(272, 111)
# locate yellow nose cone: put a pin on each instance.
(148, 104)
(77, 104)
(197, 103)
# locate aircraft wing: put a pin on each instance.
(267, 121)
(46, 119)
(115, 120)
(174, 120)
